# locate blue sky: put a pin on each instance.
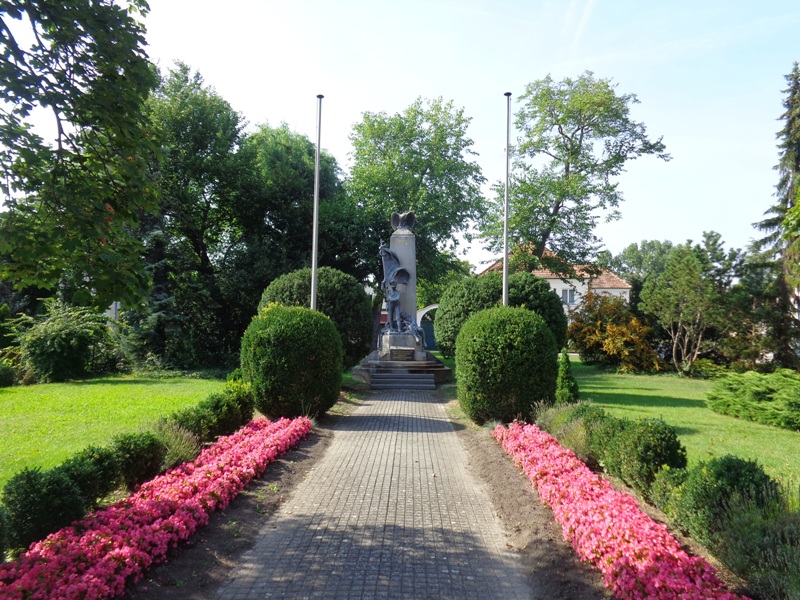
(709, 76)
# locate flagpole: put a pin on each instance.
(505, 203)
(316, 208)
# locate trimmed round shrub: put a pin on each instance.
(473, 294)
(3, 533)
(226, 415)
(292, 357)
(6, 375)
(242, 394)
(641, 450)
(198, 421)
(709, 488)
(140, 457)
(507, 362)
(38, 503)
(339, 296)
(95, 471)
(665, 489)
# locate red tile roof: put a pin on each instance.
(605, 280)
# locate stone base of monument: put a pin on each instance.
(400, 347)
(386, 372)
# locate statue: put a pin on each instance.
(395, 320)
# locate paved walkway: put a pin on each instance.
(390, 511)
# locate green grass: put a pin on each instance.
(681, 403)
(42, 425)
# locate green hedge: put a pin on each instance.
(292, 357)
(771, 399)
(506, 361)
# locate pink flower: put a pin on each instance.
(94, 558)
(638, 557)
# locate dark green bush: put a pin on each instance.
(198, 421)
(665, 489)
(38, 503)
(292, 357)
(566, 387)
(760, 542)
(771, 399)
(226, 415)
(3, 533)
(242, 394)
(95, 471)
(709, 486)
(140, 457)
(68, 342)
(507, 362)
(7, 375)
(639, 451)
(339, 296)
(473, 294)
(182, 445)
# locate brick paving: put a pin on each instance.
(390, 511)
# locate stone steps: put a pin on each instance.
(402, 379)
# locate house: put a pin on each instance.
(595, 280)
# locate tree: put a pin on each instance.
(72, 200)
(782, 227)
(684, 303)
(418, 160)
(576, 136)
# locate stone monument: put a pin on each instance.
(401, 338)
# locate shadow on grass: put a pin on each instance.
(616, 399)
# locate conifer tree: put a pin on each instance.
(566, 387)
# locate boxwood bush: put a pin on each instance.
(96, 472)
(771, 399)
(38, 503)
(292, 357)
(339, 296)
(140, 456)
(507, 362)
(473, 294)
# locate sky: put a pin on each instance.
(709, 77)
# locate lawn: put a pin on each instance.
(42, 425)
(681, 403)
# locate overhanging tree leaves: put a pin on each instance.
(576, 136)
(72, 198)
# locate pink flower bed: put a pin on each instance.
(95, 557)
(638, 557)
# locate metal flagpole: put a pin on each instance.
(505, 205)
(316, 208)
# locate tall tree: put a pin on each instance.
(72, 195)
(576, 136)
(684, 303)
(419, 160)
(782, 227)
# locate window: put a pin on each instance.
(568, 296)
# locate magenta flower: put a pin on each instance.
(95, 557)
(638, 557)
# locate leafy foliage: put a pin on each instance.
(771, 399)
(7, 375)
(292, 357)
(604, 331)
(576, 136)
(506, 360)
(710, 486)
(182, 445)
(72, 199)
(468, 296)
(140, 456)
(566, 387)
(339, 296)
(95, 471)
(38, 503)
(68, 342)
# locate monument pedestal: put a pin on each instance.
(400, 346)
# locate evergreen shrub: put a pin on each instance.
(339, 296)
(226, 417)
(38, 503)
(709, 486)
(140, 457)
(182, 445)
(198, 421)
(665, 489)
(473, 294)
(7, 375)
(95, 471)
(242, 394)
(3, 533)
(507, 362)
(292, 357)
(567, 391)
(771, 399)
(641, 449)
